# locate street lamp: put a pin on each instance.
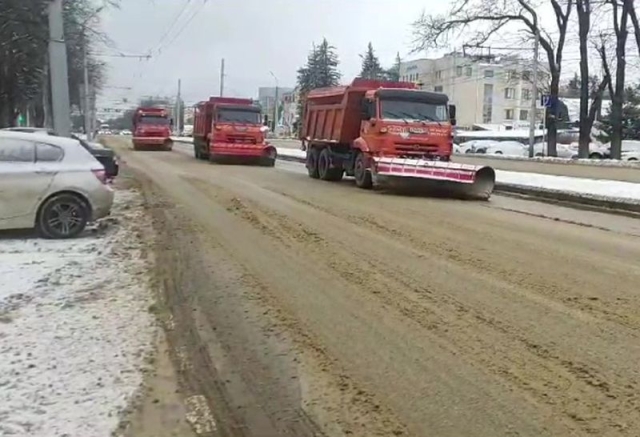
(85, 67)
(275, 104)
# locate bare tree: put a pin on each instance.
(590, 93)
(620, 12)
(636, 25)
(483, 19)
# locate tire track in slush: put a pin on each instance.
(548, 378)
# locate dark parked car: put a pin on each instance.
(105, 156)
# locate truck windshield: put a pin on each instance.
(154, 120)
(413, 110)
(239, 116)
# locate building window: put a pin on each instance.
(458, 71)
(487, 106)
(488, 73)
(487, 113)
(508, 114)
(509, 93)
(439, 74)
(437, 89)
(468, 71)
(526, 94)
(512, 74)
(524, 115)
(526, 75)
(488, 92)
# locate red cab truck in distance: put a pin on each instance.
(152, 129)
(230, 130)
(387, 134)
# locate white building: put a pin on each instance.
(485, 89)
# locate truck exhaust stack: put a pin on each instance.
(434, 177)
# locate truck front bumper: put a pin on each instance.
(238, 149)
(246, 153)
(150, 141)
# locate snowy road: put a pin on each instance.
(74, 328)
(304, 308)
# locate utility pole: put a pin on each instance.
(87, 108)
(58, 69)
(534, 90)
(178, 108)
(275, 104)
(222, 78)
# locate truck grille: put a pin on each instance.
(245, 139)
(414, 149)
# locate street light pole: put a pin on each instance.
(87, 111)
(275, 105)
(59, 73)
(534, 90)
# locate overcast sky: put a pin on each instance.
(256, 37)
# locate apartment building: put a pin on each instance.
(485, 89)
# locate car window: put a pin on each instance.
(48, 153)
(15, 150)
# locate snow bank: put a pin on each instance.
(74, 328)
(619, 190)
(626, 191)
(554, 160)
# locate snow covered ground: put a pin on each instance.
(626, 191)
(74, 327)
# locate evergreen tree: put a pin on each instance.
(630, 116)
(321, 70)
(393, 73)
(371, 68)
(325, 66)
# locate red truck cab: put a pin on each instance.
(228, 129)
(386, 133)
(152, 129)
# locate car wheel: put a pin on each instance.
(498, 152)
(632, 159)
(62, 216)
(595, 156)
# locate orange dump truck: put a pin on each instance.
(388, 134)
(230, 129)
(152, 129)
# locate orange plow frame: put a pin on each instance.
(440, 177)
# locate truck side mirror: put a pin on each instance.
(366, 109)
(452, 115)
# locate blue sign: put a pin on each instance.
(546, 101)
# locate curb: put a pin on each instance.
(600, 204)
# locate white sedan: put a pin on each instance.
(507, 148)
(51, 184)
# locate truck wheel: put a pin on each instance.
(325, 171)
(312, 163)
(362, 176)
(196, 152)
(168, 145)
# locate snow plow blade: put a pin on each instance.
(440, 178)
